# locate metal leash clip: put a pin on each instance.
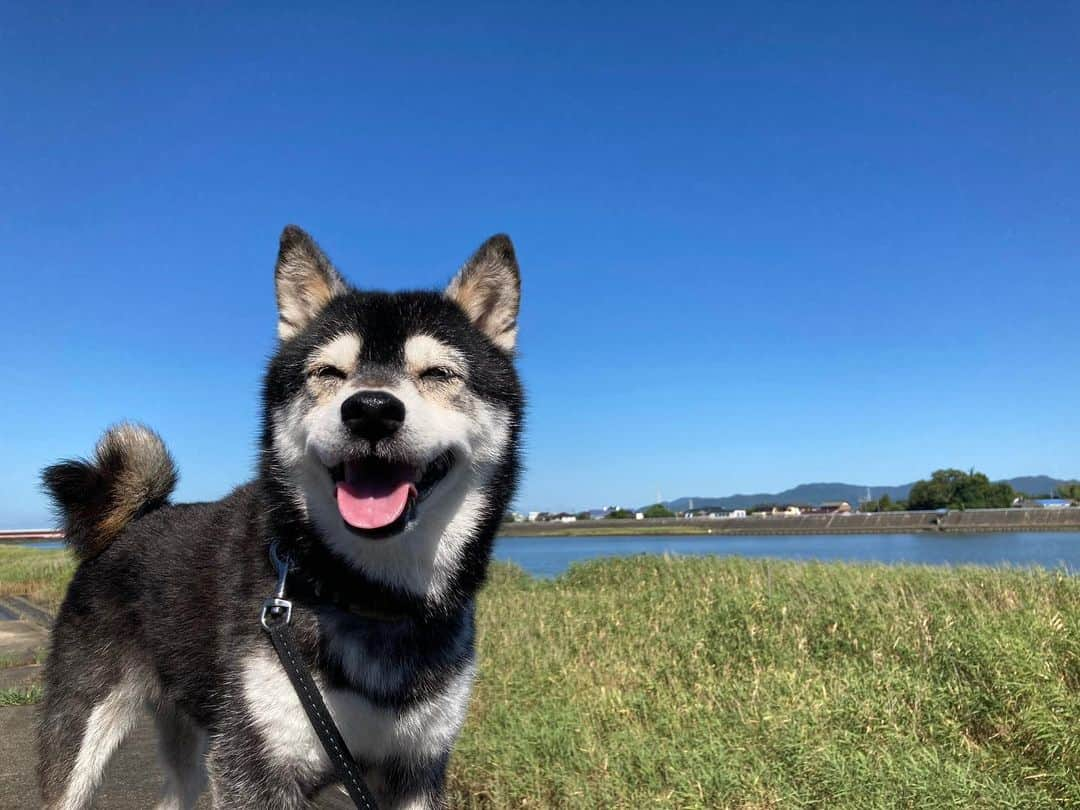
(277, 608)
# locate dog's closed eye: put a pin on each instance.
(328, 373)
(439, 374)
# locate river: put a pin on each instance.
(550, 556)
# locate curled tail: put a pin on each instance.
(130, 474)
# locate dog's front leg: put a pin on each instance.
(402, 784)
(245, 773)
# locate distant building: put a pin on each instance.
(737, 513)
(718, 514)
(1050, 503)
(836, 508)
(534, 516)
(1041, 503)
(639, 515)
(787, 511)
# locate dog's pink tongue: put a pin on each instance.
(371, 507)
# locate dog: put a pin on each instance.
(389, 454)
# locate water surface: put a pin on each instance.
(549, 556)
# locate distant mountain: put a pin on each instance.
(1036, 484)
(817, 494)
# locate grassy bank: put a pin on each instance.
(751, 684)
(600, 528)
(38, 575)
(964, 521)
(704, 683)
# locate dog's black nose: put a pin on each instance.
(372, 415)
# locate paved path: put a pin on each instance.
(21, 639)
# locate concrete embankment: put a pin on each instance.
(971, 520)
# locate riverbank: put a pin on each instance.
(973, 521)
(551, 556)
(734, 683)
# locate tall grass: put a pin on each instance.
(754, 684)
(651, 682)
(38, 575)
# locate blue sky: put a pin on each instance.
(762, 244)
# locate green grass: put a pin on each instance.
(731, 683)
(746, 684)
(20, 696)
(39, 575)
(7, 661)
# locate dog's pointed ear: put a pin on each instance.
(488, 289)
(304, 281)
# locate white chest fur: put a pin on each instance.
(420, 732)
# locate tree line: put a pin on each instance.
(945, 489)
(956, 489)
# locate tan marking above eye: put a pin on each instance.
(341, 353)
(424, 353)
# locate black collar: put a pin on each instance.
(319, 578)
(321, 592)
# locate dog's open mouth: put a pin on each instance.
(376, 497)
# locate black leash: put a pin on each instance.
(276, 614)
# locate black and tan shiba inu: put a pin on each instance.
(389, 454)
